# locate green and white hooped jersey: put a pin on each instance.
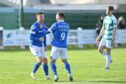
(109, 23)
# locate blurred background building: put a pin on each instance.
(79, 13)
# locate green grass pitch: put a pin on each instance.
(87, 67)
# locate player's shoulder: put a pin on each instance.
(105, 17)
(66, 24)
(54, 24)
(114, 18)
(34, 26)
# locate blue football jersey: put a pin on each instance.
(60, 31)
(36, 32)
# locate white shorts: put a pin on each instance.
(59, 52)
(38, 51)
(106, 43)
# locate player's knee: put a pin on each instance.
(99, 50)
(45, 60)
(39, 61)
(64, 60)
(53, 60)
(108, 51)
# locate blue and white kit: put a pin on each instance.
(60, 31)
(36, 46)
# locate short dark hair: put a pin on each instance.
(39, 13)
(61, 14)
(111, 8)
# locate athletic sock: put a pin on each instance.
(53, 67)
(45, 68)
(36, 66)
(67, 67)
(108, 60)
(104, 54)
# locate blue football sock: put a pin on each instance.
(45, 68)
(67, 66)
(36, 66)
(53, 67)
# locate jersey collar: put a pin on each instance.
(40, 25)
(61, 21)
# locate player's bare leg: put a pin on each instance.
(68, 69)
(101, 50)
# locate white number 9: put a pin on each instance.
(62, 36)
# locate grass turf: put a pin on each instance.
(87, 68)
